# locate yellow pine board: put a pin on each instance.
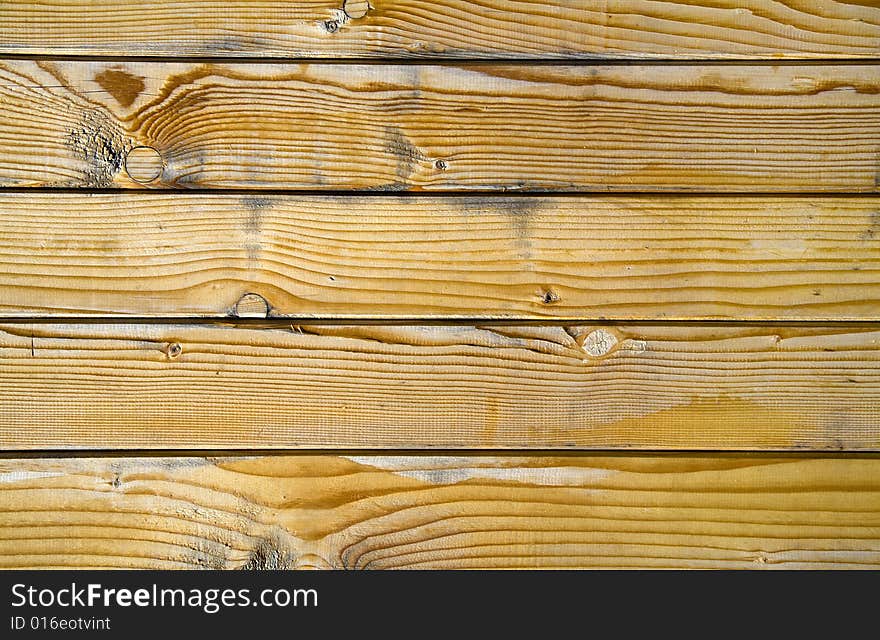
(394, 511)
(164, 255)
(737, 128)
(446, 28)
(148, 386)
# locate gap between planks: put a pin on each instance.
(585, 61)
(561, 454)
(284, 323)
(439, 193)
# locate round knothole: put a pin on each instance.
(599, 343)
(252, 305)
(143, 164)
(355, 8)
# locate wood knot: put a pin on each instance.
(252, 305)
(355, 8)
(270, 555)
(599, 343)
(549, 296)
(144, 164)
(174, 350)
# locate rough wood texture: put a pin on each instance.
(442, 28)
(378, 512)
(397, 127)
(184, 386)
(150, 254)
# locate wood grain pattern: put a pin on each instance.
(442, 28)
(393, 257)
(393, 511)
(100, 386)
(736, 128)
(623, 257)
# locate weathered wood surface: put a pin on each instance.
(159, 386)
(443, 28)
(627, 257)
(738, 128)
(392, 511)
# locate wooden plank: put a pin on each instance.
(100, 386)
(402, 127)
(623, 257)
(443, 28)
(393, 511)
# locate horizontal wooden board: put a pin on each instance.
(804, 128)
(622, 257)
(106, 386)
(441, 512)
(443, 28)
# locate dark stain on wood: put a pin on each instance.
(519, 212)
(253, 226)
(406, 154)
(122, 85)
(871, 232)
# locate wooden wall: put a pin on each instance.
(360, 284)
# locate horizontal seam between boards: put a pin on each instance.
(439, 60)
(285, 322)
(501, 192)
(423, 452)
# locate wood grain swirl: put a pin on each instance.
(621, 257)
(435, 512)
(737, 128)
(444, 28)
(161, 386)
